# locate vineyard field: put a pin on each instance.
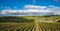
(28, 26)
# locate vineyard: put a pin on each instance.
(28, 26)
(30, 23)
(49, 26)
(12, 26)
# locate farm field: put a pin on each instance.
(30, 23)
(28, 26)
(16, 26)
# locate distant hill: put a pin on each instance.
(14, 19)
(54, 18)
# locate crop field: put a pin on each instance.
(28, 26)
(14, 26)
(49, 26)
(30, 23)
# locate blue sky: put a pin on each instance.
(20, 3)
(17, 5)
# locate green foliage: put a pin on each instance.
(15, 19)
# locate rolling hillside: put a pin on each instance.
(47, 19)
(15, 19)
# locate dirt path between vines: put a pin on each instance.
(36, 27)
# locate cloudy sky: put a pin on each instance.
(29, 7)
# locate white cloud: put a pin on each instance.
(34, 7)
(3, 12)
(33, 10)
